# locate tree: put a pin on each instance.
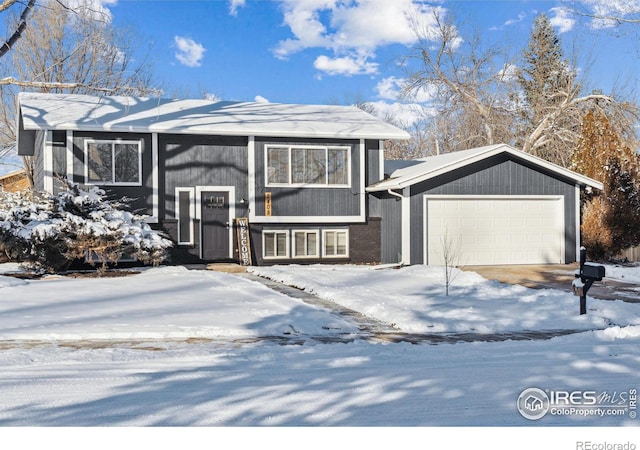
(71, 51)
(553, 103)
(610, 220)
(471, 86)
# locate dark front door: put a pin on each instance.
(215, 225)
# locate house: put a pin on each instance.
(298, 173)
(15, 181)
(491, 205)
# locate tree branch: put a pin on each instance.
(55, 85)
(21, 25)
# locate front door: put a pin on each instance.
(215, 225)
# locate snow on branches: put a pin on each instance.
(48, 232)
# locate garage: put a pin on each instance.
(493, 205)
(494, 230)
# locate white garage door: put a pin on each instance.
(495, 230)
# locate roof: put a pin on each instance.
(433, 166)
(188, 116)
(15, 173)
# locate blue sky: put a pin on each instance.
(339, 51)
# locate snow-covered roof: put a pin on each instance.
(433, 166)
(188, 116)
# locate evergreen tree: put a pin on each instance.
(610, 220)
(550, 90)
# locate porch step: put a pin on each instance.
(226, 267)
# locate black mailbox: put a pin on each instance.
(585, 276)
(592, 272)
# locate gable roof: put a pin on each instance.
(433, 166)
(188, 116)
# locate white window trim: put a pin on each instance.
(324, 241)
(287, 244)
(326, 149)
(192, 213)
(112, 142)
(293, 243)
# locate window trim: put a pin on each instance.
(324, 242)
(113, 142)
(192, 213)
(306, 231)
(325, 148)
(287, 244)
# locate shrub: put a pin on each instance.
(48, 232)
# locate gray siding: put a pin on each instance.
(140, 195)
(312, 201)
(189, 161)
(38, 161)
(391, 229)
(499, 175)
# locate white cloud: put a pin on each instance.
(350, 28)
(188, 51)
(98, 9)
(211, 97)
(261, 99)
(393, 88)
(611, 8)
(345, 65)
(234, 5)
(562, 19)
(521, 16)
(403, 114)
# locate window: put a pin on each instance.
(336, 243)
(305, 244)
(114, 162)
(307, 166)
(275, 244)
(185, 209)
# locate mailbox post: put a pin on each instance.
(584, 278)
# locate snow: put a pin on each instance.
(413, 298)
(172, 347)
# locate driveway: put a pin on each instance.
(557, 276)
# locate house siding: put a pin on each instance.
(498, 175)
(391, 228)
(308, 201)
(191, 161)
(38, 161)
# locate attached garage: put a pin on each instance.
(495, 229)
(492, 205)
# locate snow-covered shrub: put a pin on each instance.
(48, 232)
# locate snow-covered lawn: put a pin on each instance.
(413, 298)
(170, 382)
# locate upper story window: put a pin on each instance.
(310, 166)
(113, 162)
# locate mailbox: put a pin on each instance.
(585, 276)
(592, 272)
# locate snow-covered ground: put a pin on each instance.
(183, 353)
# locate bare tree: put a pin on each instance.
(471, 84)
(71, 51)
